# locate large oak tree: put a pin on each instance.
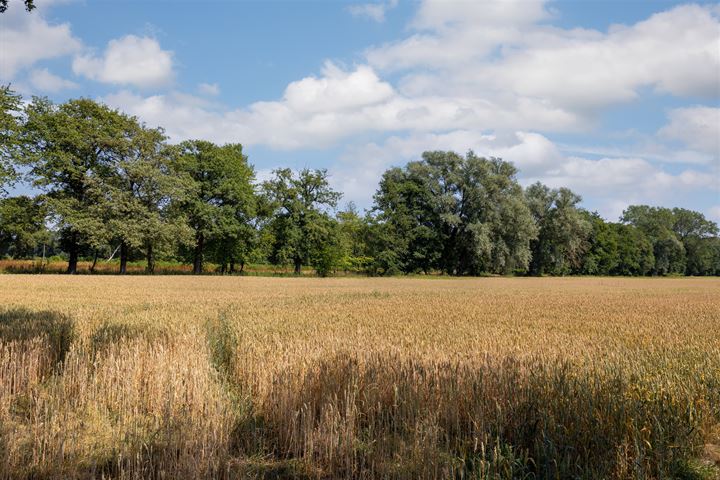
(72, 150)
(219, 200)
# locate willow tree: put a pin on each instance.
(459, 215)
(562, 230)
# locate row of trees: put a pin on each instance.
(468, 215)
(112, 186)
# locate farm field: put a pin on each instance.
(251, 377)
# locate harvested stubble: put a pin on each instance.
(180, 377)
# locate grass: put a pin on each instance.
(57, 265)
(249, 377)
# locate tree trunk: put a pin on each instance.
(242, 266)
(198, 260)
(298, 266)
(73, 255)
(123, 258)
(95, 257)
(150, 259)
(232, 265)
(223, 267)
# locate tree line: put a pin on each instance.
(111, 186)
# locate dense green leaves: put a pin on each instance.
(22, 226)
(219, 199)
(615, 249)
(453, 214)
(71, 150)
(562, 230)
(303, 232)
(112, 186)
(682, 240)
(10, 110)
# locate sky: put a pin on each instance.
(617, 100)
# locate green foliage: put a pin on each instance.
(303, 233)
(615, 249)
(142, 190)
(219, 200)
(22, 226)
(112, 185)
(699, 237)
(10, 125)
(71, 150)
(681, 239)
(454, 214)
(635, 252)
(562, 230)
(354, 240)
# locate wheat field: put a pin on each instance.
(247, 377)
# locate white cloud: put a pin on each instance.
(609, 184)
(337, 89)
(649, 148)
(470, 68)
(26, 39)
(319, 111)
(45, 81)
(451, 34)
(696, 127)
(503, 49)
(183, 116)
(676, 52)
(130, 60)
(373, 11)
(211, 89)
(482, 66)
(444, 15)
(313, 111)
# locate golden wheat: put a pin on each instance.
(240, 377)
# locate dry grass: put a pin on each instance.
(138, 267)
(183, 377)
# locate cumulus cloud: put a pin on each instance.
(130, 60)
(211, 89)
(183, 116)
(696, 127)
(471, 66)
(498, 78)
(45, 81)
(26, 39)
(318, 111)
(372, 11)
(505, 49)
(441, 15)
(609, 184)
(337, 89)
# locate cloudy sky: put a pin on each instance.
(618, 100)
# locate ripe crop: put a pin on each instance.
(244, 377)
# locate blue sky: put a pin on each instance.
(617, 100)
